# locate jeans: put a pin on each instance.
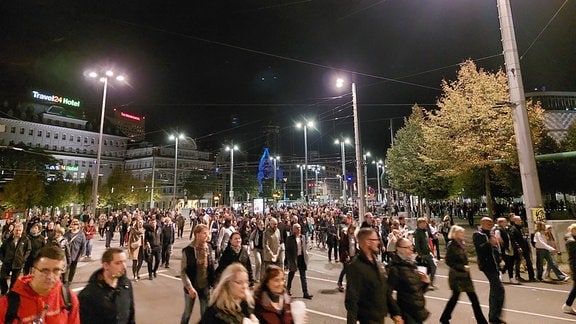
(526, 254)
(302, 271)
(572, 295)
(166, 252)
(257, 263)
(332, 245)
(541, 255)
(89, 248)
(72, 270)
(431, 265)
(496, 299)
(203, 295)
(343, 272)
(154, 257)
(449, 308)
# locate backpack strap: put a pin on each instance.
(13, 305)
(66, 298)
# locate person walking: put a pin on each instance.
(570, 239)
(544, 252)
(89, 232)
(42, 287)
(77, 242)
(459, 278)
(271, 245)
(168, 236)
(347, 252)
(136, 247)
(153, 241)
(13, 253)
(409, 283)
(422, 248)
(485, 244)
(108, 296)
(197, 272)
(235, 252)
(256, 244)
(272, 302)
(37, 242)
(297, 259)
(522, 248)
(368, 295)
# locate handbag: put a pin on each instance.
(134, 245)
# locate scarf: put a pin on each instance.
(201, 250)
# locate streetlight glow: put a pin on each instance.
(175, 138)
(231, 148)
(305, 126)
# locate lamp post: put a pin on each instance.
(301, 167)
(317, 169)
(305, 127)
(365, 157)
(231, 148)
(274, 159)
(378, 165)
(103, 79)
(527, 162)
(342, 143)
(175, 138)
(358, 146)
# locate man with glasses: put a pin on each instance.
(41, 287)
(368, 295)
(108, 297)
(13, 253)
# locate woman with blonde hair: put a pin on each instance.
(459, 278)
(544, 252)
(135, 247)
(231, 301)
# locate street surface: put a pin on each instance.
(162, 300)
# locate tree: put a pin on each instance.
(25, 191)
(60, 192)
(467, 133)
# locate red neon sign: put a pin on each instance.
(126, 115)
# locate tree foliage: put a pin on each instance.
(26, 190)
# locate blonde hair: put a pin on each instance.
(221, 296)
(453, 230)
(571, 227)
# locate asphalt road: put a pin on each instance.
(162, 300)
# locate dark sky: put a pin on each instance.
(194, 65)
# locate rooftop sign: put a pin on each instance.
(56, 99)
(129, 116)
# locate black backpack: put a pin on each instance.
(14, 304)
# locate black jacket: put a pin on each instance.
(368, 295)
(486, 253)
(15, 255)
(229, 256)
(215, 315)
(571, 249)
(458, 278)
(405, 279)
(102, 304)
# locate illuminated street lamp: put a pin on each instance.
(175, 138)
(301, 167)
(378, 165)
(274, 159)
(365, 157)
(357, 144)
(231, 148)
(342, 143)
(317, 169)
(305, 126)
(104, 79)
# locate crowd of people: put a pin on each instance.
(241, 266)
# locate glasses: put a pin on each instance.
(47, 272)
(405, 247)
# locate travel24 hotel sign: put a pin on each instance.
(56, 99)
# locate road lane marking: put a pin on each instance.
(326, 315)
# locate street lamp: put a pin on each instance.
(527, 162)
(301, 167)
(305, 127)
(378, 165)
(231, 148)
(104, 79)
(175, 138)
(274, 159)
(343, 157)
(357, 143)
(317, 169)
(365, 157)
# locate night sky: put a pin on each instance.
(220, 70)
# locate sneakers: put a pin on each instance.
(568, 309)
(513, 281)
(340, 287)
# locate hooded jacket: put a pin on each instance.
(32, 304)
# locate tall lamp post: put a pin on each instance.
(231, 148)
(364, 160)
(378, 166)
(175, 138)
(301, 167)
(358, 146)
(342, 143)
(305, 127)
(104, 79)
(527, 162)
(274, 159)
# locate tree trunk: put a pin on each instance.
(488, 190)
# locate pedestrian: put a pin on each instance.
(180, 222)
(108, 296)
(422, 248)
(89, 232)
(197, 272)
(522, 248)
(570, 239)
(506, 248)
(77, 242)
(368, 295)
(153, 242)
(235, 252)
(231, 301)
(224, 235)
(409, 283)
(347, 252)
(41, 287)
(256, 244)
(123, 230)
(544, 252)
(109, 228)
(37, 242)
(332, 240)
(486, 244)
(271, 298)
(459, 278)
(136, 247)
(168, 236)
(297, 259)
(13, 253)
(271, 245)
